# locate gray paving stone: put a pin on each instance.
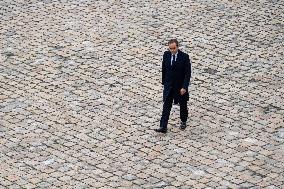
(80, 94)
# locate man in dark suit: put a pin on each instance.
(176, 73)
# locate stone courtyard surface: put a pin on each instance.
(81, 93)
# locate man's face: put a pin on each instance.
(173, 48)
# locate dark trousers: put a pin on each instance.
(167, 106)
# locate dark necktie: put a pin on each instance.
(173, 59)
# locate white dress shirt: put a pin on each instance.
(175, 55)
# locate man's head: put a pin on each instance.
(173, 46)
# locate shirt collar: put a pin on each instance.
(175, 54)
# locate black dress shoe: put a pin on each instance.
(183, 125)
(161, 130)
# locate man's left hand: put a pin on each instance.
(182, 91)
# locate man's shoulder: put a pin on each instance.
(182, 53)
(167, 52)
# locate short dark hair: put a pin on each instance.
(173, 41)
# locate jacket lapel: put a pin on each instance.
(178, 56)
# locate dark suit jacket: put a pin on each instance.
(176, 76)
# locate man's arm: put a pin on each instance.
(163, 69)
(187, 72)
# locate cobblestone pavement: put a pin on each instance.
(81, 94)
